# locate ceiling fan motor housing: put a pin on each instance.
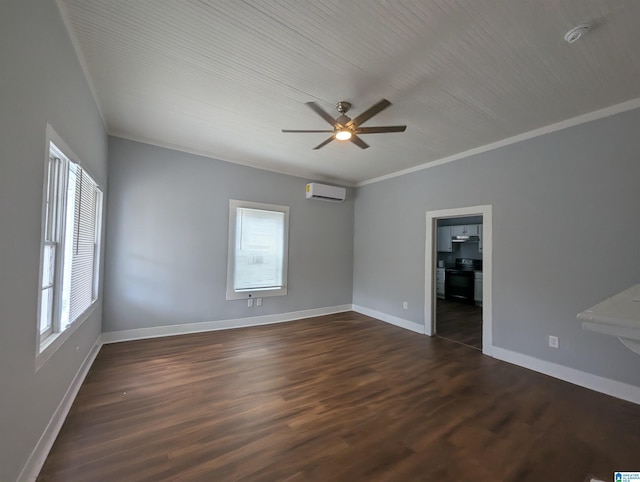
(343, 106)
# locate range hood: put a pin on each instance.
(465, 239)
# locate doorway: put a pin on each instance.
(462, 318)
(458, 300)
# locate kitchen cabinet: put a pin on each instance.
(480, 238)
(444, 239)
(465, 230)
(440, 274)
(477, 292)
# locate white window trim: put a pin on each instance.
(231, 294)
(48, 343)
(53, 342)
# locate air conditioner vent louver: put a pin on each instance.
(324, 192)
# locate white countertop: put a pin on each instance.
(617, 316)
(622, 309)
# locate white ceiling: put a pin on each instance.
(221, 78)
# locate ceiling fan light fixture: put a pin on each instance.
(346, 129)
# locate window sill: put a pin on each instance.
(257, 293)
(54, 341)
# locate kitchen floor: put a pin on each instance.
(459, 322)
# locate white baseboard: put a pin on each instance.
(394, 320)
(597, 383)
(39, 454)
(171, 330)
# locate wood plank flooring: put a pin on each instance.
(459, 322)
(336, 398)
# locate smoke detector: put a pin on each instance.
(576, 32)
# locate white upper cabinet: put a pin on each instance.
(465, 230)
(444, 239)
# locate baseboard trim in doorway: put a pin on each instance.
(614, 388)
(171, 330)
(393, 320)
(39, 454)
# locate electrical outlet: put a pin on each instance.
(553, 342)
(258, 301)
(250, 302)
(405, 305)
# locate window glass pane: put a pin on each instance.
(65, 298)
(259, 249)
(96, 245)
(48, 201)
(48, 265)
(46, 310)
(52, 200)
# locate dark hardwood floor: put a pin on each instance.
(336, 398)
(459, 322)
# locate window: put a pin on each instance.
(258, 250)
(72, 221)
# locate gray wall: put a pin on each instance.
(167, 236)
(40, 81)
(565, 237)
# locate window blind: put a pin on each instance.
(83, 250)
(259, 249)
(71, 235)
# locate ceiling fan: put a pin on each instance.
(347, 129)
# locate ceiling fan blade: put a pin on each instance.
(298, 131)
(380, 129)
(322, 144)
(369, 113)
(322, 113)
(359, 142)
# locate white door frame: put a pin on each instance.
(487, 268)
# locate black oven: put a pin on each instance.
(459, 282)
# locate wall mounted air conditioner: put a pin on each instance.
(324, 192)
